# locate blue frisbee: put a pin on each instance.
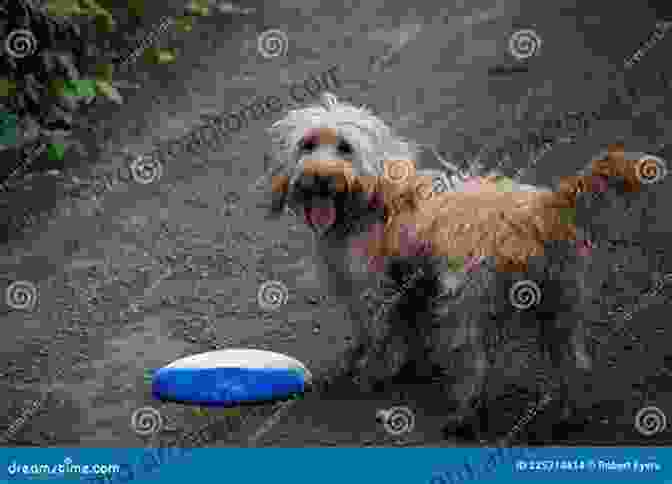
(227, 378)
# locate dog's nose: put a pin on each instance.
(312, 184)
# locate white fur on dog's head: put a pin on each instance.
(372, 140)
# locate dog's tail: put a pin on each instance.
(598, 175)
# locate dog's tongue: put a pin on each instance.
(323, 216)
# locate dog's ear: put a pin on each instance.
(279, 193)
(274, 175)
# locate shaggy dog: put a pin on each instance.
(429, 277)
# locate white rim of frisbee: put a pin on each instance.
(241, 358)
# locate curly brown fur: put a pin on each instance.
(525, 237)
(415, 308)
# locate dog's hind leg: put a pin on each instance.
(564, 335)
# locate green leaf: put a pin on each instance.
(93, 8)
(151, 55)
(9, 129)
(56, 87)
(69, 89)
(106, 89)
(455, 264)
(64, 8)
(56, 151)
(185, 23)
(568, 216)
(504, 184)
(104, 71)
(105, 23)
(7, 88)
(197, 8)
(200, 411)
(231, 412)
(136, 8)
(165, 56)
(85, 88)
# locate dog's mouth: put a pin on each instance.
(321, 215)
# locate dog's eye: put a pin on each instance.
(345, 148)
(308, 144)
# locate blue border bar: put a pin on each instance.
(340, 465)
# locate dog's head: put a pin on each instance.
(332, 157)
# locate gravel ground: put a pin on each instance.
(133, 276)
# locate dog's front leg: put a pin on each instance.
(380, 363)
(470, 419)
(383, 350)
(457, 346)
(359, 357)
(565, 337)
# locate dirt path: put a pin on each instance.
(143, 274)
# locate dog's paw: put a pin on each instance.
(372, 374)
(331, 383)
(463, 430)
(472, 427)
(569, 427)
(365, 384)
